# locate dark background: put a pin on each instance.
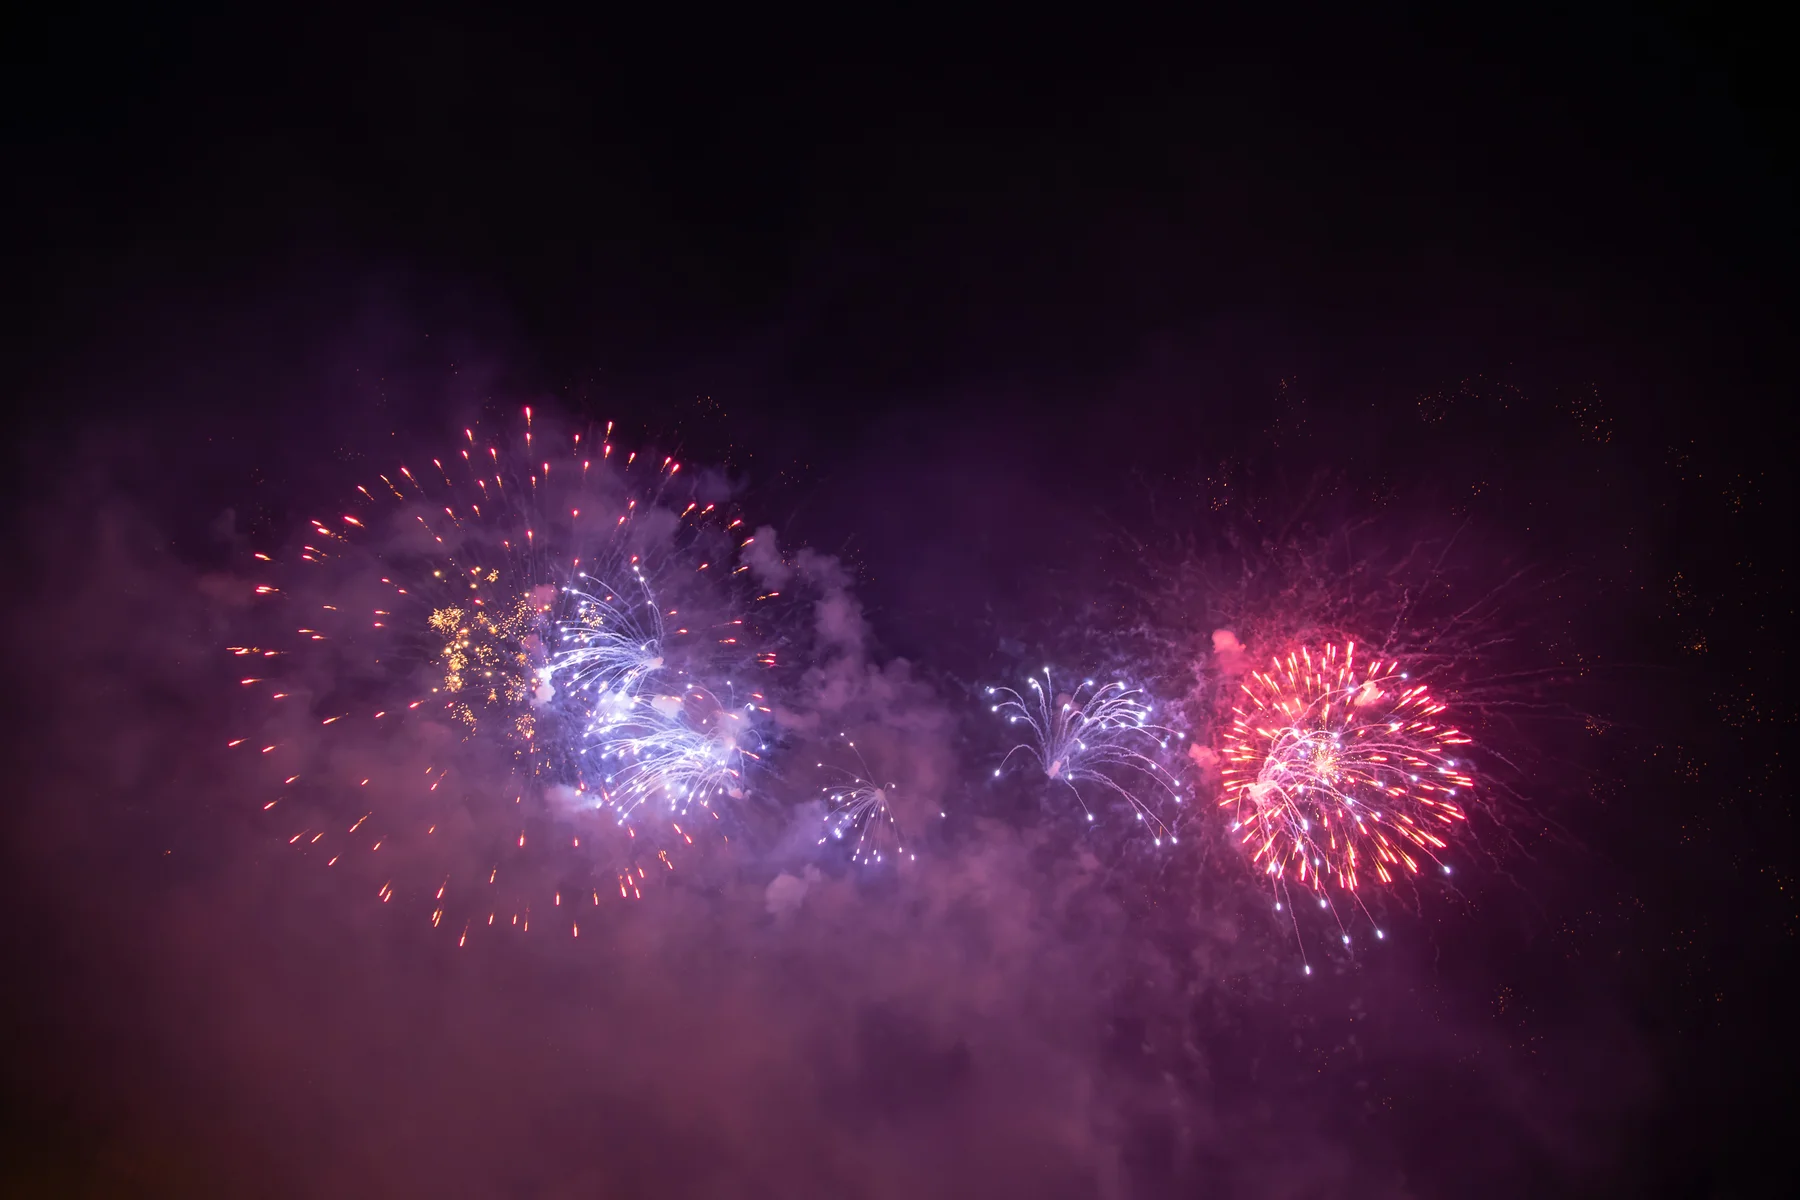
(966, 290)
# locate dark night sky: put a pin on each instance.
(976, 296)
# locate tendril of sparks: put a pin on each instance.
(1092, 735)
(858, 806)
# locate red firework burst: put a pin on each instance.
(1341, 772)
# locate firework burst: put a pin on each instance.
(1341, 775)
(610, 643)
(1092, 735)
(862, 808)
(676, 753)
(459, 613)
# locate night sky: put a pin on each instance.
(1027, 340)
